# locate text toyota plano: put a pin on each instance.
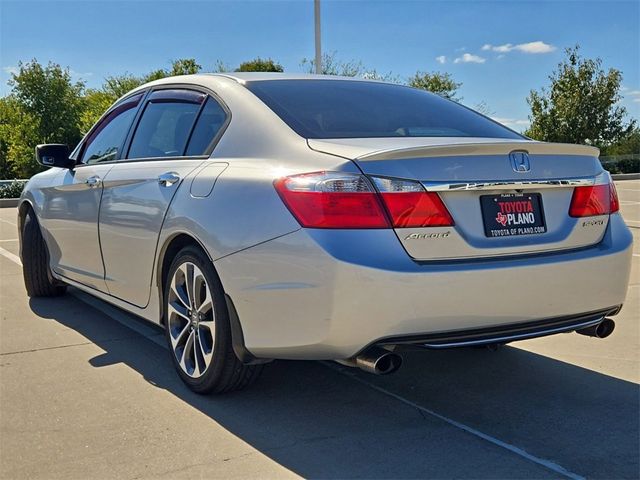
(274, 216)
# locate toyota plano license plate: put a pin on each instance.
(512, 214)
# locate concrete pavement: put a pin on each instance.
(88, 391)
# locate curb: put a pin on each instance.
(9, 202)
(626, 176)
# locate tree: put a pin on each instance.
(260, 65)
(96, 102)
(44, 106)
(8, 121)
(49, 95)
(436, 82)
(185, 66)
(221, 67)
(118, 85)
(628, 145)
(373, 74)
(331, 65)
(580, 105)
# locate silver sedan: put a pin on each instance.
(271, 216)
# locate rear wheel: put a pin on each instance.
(197, 327)
(35, 262)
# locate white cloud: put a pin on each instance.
(469, 58)
(80, 75)
(441, 59)
(633, 95)
(10, 70)
(531, 47)
(535, 47)
(507, 47)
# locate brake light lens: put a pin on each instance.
(614, 204)
(332, 200)
(410, 205)
(594, 200)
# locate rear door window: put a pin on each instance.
(210, 122)
(165, 125)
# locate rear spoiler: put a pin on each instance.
(497, 148)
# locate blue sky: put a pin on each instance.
(499, 50)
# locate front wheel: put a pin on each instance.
(197, 327)
(35, 262)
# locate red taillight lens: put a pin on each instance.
(332, 200)
(594, 200)
(409, 205)
(614, 204)
(417, 210)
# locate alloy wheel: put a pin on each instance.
(191, 319)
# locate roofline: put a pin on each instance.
(243, 77)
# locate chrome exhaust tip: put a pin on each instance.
(378, 361)
(601, 330)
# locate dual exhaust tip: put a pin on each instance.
(379, 361)
(376, 360)
(601, 330)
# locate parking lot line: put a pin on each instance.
(512, 448)
(10, 256)
(156, 337)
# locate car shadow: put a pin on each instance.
(319, 423)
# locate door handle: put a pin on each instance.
(93, 181)
(168, 179)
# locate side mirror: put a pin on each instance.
(54, 155)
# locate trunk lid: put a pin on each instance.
(468, 173)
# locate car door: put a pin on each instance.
(165, 147)
(71, 206)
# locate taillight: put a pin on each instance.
(348, 200)
(594, 200)
(614, 204)
(410, 205)
(332, 200)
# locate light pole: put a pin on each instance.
(316, 14)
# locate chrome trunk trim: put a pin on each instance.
(510, 184)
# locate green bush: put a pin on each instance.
(12, 190)
(621, 164)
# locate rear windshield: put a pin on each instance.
(357, 109)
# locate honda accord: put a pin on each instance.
(274, 216)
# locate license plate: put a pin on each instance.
(512, 214)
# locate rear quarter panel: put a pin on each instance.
(243, 208)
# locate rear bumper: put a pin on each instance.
(326, 294)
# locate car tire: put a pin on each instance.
(199, 334)
(35, 262)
